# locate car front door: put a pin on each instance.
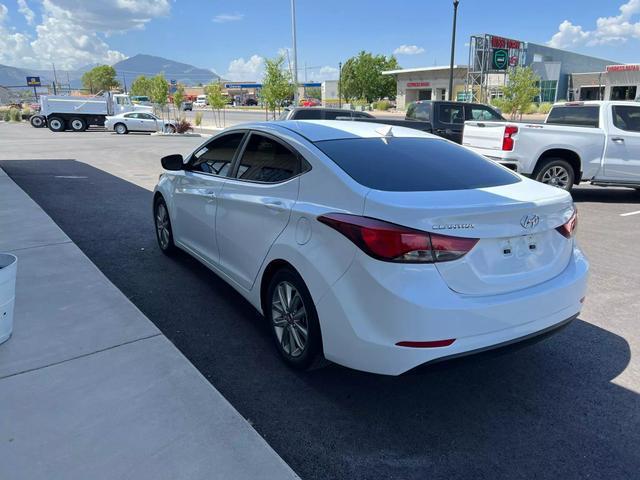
(622, 153)
(450, 121)
(197, 192)
(149, 123)
(256, 205)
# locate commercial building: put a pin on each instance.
(616, 82)
(491, 58)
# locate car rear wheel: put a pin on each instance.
(120, 128)
(37, 121)
(164, 233)
(78, 125)
(56, 124)
(293, 320)
(170, 129)
(556, 172)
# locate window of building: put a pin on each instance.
(548, 90)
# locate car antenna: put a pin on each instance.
(386, 131)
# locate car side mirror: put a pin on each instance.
(173, 162)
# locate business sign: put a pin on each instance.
(505, 43)
(623, 68)
(33, 81)
(500, 59)
(418, 84)
(242, 85)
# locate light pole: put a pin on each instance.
(295, 54)
(453, 47)
(340, 85)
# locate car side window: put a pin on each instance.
(131, 115)
(451, 114)
(145, 116)
(483, 113)
(626, 118)
(307, 114)
(266, 160)
(216, 157)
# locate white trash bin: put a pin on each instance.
(8, 269)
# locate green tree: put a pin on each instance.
(362, 77)
(276, 84)
(178, 98)
(101, 78)
(217, 100)
(519, 92)
(141, 86)
(159, 91)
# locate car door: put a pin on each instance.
(450, 121)
(196, 195)
(256, 205)
(622, 152)
(132, 122)
(149, 123)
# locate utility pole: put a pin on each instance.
(124, 81)
(453, 47)
(296, 94)
(340, 84)
(55, 79)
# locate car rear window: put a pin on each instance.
(414, 164)
(579, 116)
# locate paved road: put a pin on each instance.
(568, 407)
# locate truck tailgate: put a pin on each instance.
(483, 135)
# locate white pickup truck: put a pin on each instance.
(598, 142)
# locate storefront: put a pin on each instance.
(617, 82)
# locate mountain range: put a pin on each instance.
(127, 71)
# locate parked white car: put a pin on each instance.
(597, 142)
(379, 247)
(138, 122)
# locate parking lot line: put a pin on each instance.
(630, 213)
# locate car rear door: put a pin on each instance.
(196, 195)
(256, 205)
(149, 123)
(622, 153)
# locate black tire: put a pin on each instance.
(164, 242)
(78, 124)
(311, 355)
(38, 121)
(56, 124)
(556, 172)
(120, 129)
(168, 128)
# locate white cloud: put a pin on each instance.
(326, 73)
(24, 9)
(72, 33)
(228, 17)
(408, 50)
(608, 30)
(248, 70)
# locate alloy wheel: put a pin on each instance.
(162, 226)
(290, 320)
(556, 176)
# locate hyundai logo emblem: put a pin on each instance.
(529, 221)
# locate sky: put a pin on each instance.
(233, 38)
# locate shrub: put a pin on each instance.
(382, 105)
(198, 119)
(183, 126)
(15, 115)
(531, 109)
(545, 108)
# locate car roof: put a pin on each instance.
(320, 130)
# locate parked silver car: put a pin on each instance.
(138, 122)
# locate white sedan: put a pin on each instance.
(379, 248)
(138, 122)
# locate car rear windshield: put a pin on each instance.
(579, 116)
(414, 164)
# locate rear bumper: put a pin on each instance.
(375, 305)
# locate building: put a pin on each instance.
(429, 83)
(491, 57)
(616, 82)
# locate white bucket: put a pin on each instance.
(8, 269)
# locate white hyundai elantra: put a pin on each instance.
(380, 248)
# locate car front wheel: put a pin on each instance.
(293, 320)
(164, 233)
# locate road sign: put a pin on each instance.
(33, 81)
(500, 59)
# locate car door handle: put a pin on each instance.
(617, 140)
(271, 204)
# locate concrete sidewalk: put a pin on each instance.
(90, 388)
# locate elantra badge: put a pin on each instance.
(529, 221)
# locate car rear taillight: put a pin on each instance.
(568, 230)
(395, 243)
(507, 141)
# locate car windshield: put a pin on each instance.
(414, 164)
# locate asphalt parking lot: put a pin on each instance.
(566, 407)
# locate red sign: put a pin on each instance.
(623, 68)
(513, 61)
(499, 42)
(418, 84)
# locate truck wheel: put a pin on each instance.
(56, 124)
(555, 172)
(78, 124)
(37, 121)
(120, 128)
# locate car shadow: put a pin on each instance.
(583, 194)
(554, 409)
